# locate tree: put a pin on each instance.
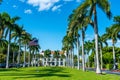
(79, 21)
(88, 48)
(10, 27)
(47, 54)
(91, 6)
(17, 35)
(25, 40)
(56, 55)
(113, 33)
(102, 40)
(14, 48)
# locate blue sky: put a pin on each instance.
(47, 19)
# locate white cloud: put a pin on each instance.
(14, 6)
(43, 4)
(56, 7)
(28, 11)
(78, 0)
(71, 0)
(67, 0)
(89, 37)
(22, 0)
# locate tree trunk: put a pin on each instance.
(19, 52)
(101, 58)
(24, 56)
(88, 61)
(98, 70)
(8, 51)
(72, 58)
(29, 61)
(13, 57)
(78, 67)
(83, 56)
(114, 59)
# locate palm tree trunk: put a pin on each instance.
(29, 61)
(19, 52)
(88, 61)
(24, 56)
(101, 57)
(83, 56)
(66, 58)
(98, 70)
(95, 60)
(78, 67)
(72, 58)
(13, 57)
(8, 51)
(114, 59)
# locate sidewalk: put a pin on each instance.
(106, 71)
(110, 72)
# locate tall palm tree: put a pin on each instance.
(113, 33)
(17, 35)
(25, 40)
(10, 27)
(79, 22)
(4, 18)
(34, 49)
(92, 5)
(102, 40)
(110, 35)
(14, 48)
(47, 54)
(88, 48)
(57, 56)
(117, 24)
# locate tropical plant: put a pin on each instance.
(10, 26)
(91, 6)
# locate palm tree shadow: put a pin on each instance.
(46, 72)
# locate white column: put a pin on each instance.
(43, 61)
(59, 62)
(63, 62)
(55, 61)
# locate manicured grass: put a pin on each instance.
(52, 73)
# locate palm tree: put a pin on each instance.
(14, 48)
(88, 48)
(3, 42)
(47, 54)
(57, 56)
(110, 35)
(25, 40)
(17, 35)
(10, 27)
(102, 41)
(92, 5)
(113, 33)
(4, 17)
(117, 24)
(79, 22)
(34, 48)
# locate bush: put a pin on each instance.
(109, 66)
(118, 66)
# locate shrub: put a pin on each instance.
(109, 66)
(118, 66)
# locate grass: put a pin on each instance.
(52, 73)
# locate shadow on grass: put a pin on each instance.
(10, 69)
(44, 72)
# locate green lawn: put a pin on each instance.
(52, 73)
